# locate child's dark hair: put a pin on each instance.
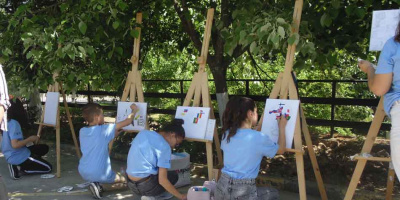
(397, 35)
(175, 127)
(90, 110)
(17, 112)
(235, 113)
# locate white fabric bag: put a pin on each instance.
(180, 162)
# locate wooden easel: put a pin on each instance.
(133, 86)
(285, 86)
(199, 90)
(57, 87)
(362, 161)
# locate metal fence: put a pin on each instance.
(333, 101)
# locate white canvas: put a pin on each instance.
(384, 24)
(195, 120)
(275, 108)
(51, 108)
(139, 122)
(210, 129)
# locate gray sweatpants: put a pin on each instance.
(243, 189)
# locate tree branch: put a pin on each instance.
(258, 73)
(47, 7)
(238, 51)
(226, 16)
(217, 40)
(255, 65)
(187, 24)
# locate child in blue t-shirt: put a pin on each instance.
(244, 148)
(95, 164)
(21, 158)
(149, 159)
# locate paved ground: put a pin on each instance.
(32, 187)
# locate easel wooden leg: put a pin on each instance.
(218, 148)
(369, 142)
(313, 158)
(301, 176)
(291, 89)
(71, 126)
(139, 88)
(209, 160)
(390, 183)
(300, 161)
(58, 150)
(39, 133)
(355, 179)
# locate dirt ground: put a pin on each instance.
(333, 156)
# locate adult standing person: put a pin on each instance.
(385, 81)
(4, 104)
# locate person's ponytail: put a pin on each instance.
(235, 113)
(397, 35)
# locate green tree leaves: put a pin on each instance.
(115, 24)
(134, 33)
(82, 27)
(95, 37)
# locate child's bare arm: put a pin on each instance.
(127, 121)
(16, 144)
(163, 180)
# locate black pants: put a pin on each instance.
(35, 164)
(150, 186)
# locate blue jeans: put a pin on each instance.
(243, 189)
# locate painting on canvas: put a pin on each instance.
(139, 122)
(274, 109)
(384, 25)
(195, 120)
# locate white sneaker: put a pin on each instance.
(14, 171)
(96, 190)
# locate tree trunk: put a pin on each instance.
(219, 74)
(34, 107)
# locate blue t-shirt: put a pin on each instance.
(95, 164)
(389, 62)
(14, 156)
(244, 152)
(149, 151)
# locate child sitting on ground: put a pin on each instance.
(21, 158)
(95, 164)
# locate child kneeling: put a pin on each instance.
(149, 159)
(244, 148)
(95, 164)
(20, 158)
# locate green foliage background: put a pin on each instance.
(90, 42)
